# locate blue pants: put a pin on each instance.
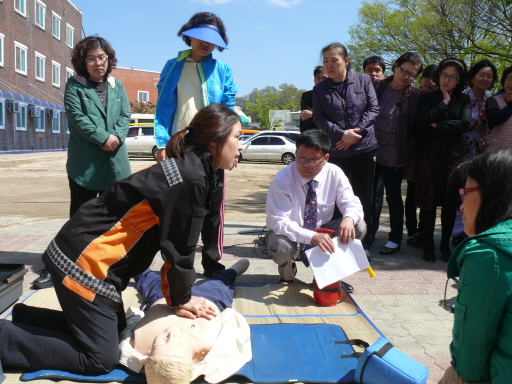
(218, 290)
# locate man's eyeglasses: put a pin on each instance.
(406, 73)
(464, 191)
(99, 60)
(447, 77)
(303, 160)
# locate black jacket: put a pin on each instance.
(306, 102)
(452, 122)
(117, 235)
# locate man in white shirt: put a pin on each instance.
(286, 205)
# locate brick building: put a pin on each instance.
(36, 38)
(140, 85)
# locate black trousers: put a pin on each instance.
(82, 338)
(360, 170)
(79, 195)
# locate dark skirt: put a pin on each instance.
(432, 176)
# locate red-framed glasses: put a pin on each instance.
(464, 191)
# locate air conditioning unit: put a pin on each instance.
(52, 113)
(34, 111)
(13, 106)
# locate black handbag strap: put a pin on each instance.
(358, 342)
(380, 353)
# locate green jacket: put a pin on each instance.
(90, 126)
(482, 331)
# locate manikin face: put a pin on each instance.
(335, 65)
(96, 63)
(231, 150)
(200, 49)
(374, 70)
(470, 207)
(306, 170)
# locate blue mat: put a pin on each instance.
(282, 353)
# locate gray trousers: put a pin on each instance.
(284, 251)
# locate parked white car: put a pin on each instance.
(141, 140)
(268, 148)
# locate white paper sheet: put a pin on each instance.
(345, 261)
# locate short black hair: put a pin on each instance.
(462, 70)
(493, 173)
(374, 59)
(342, 50)
(506, 72)
(411, 58)
(429, 70)
(318, 69)
(479, 65)
(314, 138)
(204, 18)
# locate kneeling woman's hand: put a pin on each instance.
(196, 307)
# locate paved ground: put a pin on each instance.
(404, 300)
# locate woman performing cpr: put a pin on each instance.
(115, 237)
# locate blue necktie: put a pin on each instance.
(310, 213)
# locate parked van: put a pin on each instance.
(138, 118)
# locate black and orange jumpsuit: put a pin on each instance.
(110, 239)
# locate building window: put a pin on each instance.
(143, 96)
(20, 58)
(20, 6)
(40, 64)
(21, 118)
(40, 13)
(2, 113)
(1, 50)
(56, 123)
(55, 25)
(55, 73)
(69, 35)
(40, 120)
(69, 73)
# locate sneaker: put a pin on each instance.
(415, 241)
(240, 266)
(43, 281)
(347, 287)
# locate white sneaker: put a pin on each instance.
(240, 266)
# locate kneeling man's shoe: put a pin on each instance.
(347, 287)
(389, 251)
(43, 281)
(294, 270)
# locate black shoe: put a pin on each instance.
(415, 241)
(389, 251)
(429, 255)
(347, 287)
(446, 253)
(294, 270)
(456, 240)
(43, 281)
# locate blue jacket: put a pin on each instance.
(217, 86)
(358, 109)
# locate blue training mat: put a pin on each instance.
(282, 353)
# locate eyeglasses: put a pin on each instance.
(508, 79)
(464, 191)
(406, 73)
(427, 78)
(303, 160)
(99, 60)
(447, 77)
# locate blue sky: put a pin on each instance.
(271, 41)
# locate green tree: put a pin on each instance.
(435, 29)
